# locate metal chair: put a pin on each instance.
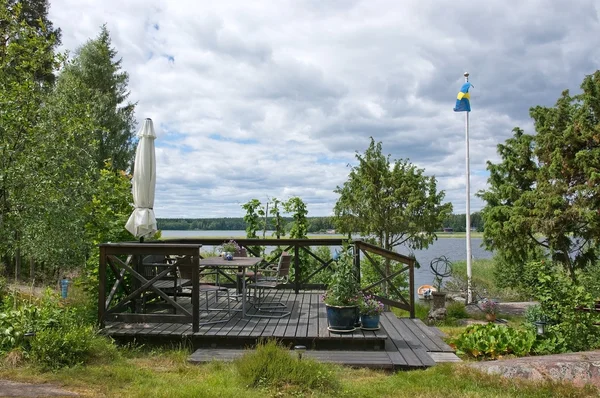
(206, 288)
(270, 278)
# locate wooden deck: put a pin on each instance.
(400, 343)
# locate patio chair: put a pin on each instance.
(171, 283)
(272, 278)
(206, 288)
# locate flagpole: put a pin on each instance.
(468, 214)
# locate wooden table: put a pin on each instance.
(239, 263)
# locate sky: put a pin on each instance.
(273, 99)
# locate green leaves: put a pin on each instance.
(395, 202)
(544, 195)
(492, 341)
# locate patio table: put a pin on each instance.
(239, 263)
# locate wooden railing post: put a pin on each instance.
(411, 287)
(102, 287)
(296, 267)
(196, 292)
(357, 260)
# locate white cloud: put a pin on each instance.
(293, 88)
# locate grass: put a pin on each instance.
(484, 282)
(163, 373)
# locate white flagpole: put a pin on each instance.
(468, 214)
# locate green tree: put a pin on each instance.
(279, 224)
(24, 54)
(94, 77)
(397, 203)
(297, 208)
(544, 195)
(393, 203)
(34, 13)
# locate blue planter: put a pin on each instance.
(341, 319)
(370, 321)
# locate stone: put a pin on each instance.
(437, 315)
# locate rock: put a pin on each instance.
(458, 299)
(437, 315)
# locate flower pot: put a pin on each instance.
(341, 319)
(490, 317)
(369, 322)
(439, 300)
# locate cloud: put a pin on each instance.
(272, 99)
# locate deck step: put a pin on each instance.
(363, 359)
(441, 357)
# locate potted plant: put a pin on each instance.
(489, 308)
(370, 311)
(228, 249)
(342, 296)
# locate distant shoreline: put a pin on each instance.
(236, 234)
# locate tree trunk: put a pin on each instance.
(18, 264)
(31, 269)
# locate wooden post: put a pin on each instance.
(357, 261)
(102, 287)
(18, 264)
(296, 268)
(196, 293)
(31, 269)
(411, 277)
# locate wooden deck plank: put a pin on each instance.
(429, 331)
(303, 318)
(294, 318)
(313, 317)
(428, 342)
(323, 332)
(282, 323)
(441, 357)
(394, 355)
(405, 342)
(409, 356)
(269, 329)
(372, 359)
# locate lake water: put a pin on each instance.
(454, 249)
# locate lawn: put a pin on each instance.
(165, 373)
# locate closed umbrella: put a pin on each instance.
(142, 221)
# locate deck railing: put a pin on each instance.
(123, 286)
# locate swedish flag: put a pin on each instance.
(463, 103)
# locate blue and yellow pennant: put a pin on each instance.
(463, 103)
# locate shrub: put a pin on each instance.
(560, 299)
(273, 366)
(493, 341)
(61, 338)
(456, 310)
(54, 348)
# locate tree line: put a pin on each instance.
(456, 222)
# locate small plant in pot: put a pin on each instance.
(490, 309)
(342, 296)
(229, 248)
(370, 311)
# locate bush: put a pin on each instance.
(560, 298)
(273, 366)
(493, 341)
(54, 348)
(456, 310)
(62, 337)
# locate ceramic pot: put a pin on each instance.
(341, 318)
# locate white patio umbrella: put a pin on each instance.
(142, 221)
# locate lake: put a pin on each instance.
(454, 249)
